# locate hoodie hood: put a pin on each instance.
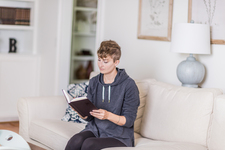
(120, 77)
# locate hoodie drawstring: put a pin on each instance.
(109, 94)
(103, 93)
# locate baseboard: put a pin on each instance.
(9, 119)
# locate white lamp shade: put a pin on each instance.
(191, 38)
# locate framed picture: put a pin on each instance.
(155, 19)
(209, 12)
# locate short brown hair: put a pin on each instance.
(109, 48)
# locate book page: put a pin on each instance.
(78, 99)
(68, 97)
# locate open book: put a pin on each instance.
(82, 105)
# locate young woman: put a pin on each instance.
(117, 97)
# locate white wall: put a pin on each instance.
(153, 59)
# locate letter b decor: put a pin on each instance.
(12, 45)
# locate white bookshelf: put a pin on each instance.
(19, 72)
(83, 38)
(24, 34)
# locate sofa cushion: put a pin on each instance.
(164, 145)
(53, 133)
(178, 114)
(143, 90)
(78, 89)
(217, 133)
(148, 144)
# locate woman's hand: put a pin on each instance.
(100, 114)
(104, 114)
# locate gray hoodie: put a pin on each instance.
(120, 97)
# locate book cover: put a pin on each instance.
(82, 105)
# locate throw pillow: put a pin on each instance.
(75, 90)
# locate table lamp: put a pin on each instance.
(192, 39)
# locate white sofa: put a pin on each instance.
(169, 118)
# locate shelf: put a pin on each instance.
(16, 56)
(83, 58)
(6, 53)
(20, 0)
(84, 34)
(85, 9)
(15, 27)
(79, 80)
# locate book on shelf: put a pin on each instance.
(82, 105)
(7, 15)
(22, 16)
(14, 16)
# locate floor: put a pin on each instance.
(14, 126)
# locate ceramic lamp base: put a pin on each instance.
(190, 72)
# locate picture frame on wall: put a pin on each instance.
(155, 19)
(209, 12)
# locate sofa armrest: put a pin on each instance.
(217, 136)
(39, 107)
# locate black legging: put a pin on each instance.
(87, 141)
